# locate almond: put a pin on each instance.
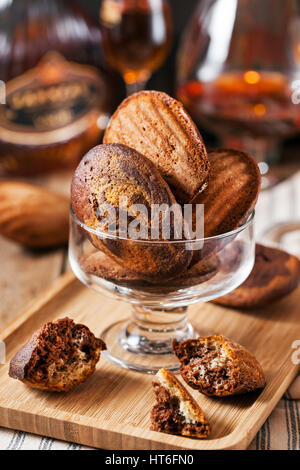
(33, 216)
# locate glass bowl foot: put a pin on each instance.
(146, 346)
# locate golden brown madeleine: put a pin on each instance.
(216, 366)
(33, 216)
(275, 275)
(158, 126)
(119, 177)
(176, 411)
(197, 273)
(101, 265)
(57, 357)
(232, 192)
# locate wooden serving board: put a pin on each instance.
(111, 410)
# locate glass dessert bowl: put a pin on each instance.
(215, 266)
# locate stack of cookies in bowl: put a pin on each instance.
(154, 156)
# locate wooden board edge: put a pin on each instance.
(102, 437)
(74, 429)
(103, 434)
(243, 444)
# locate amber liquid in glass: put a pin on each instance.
(136, 36)
(244, 103)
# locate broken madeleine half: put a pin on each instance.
(217, 366)
(176, 411)
(58, 356)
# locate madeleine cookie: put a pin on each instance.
(275, 275)
(108, 182)
(158, 126)
(58, 356)
(101, 265)
(198, 273)
(176, 411)
(216, 366)
(232, 191)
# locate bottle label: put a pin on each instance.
(54, 95)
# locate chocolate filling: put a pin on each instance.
(60, 346)
(166, 416)
(207, 369)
